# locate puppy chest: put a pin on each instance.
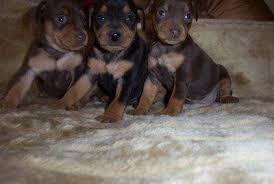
(171, 61)
(117, 69)
(43, 62)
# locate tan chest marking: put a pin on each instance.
(117, 69)
(42, 62)
(171, 60)
(69, 61)
(97, 66)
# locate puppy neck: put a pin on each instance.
(56, 54)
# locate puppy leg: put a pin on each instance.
(81, 88)
(176, 101)
(19, 89)
(178, 96)
(116, 109)
(224, 85)
(149, 94)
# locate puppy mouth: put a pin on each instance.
(171, 41)
(72, 47)
(113, 48)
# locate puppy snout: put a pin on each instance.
(175, 32)
(115, 36)
(81, 36)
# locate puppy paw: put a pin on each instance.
(137, 112)
(107, 118)
(57, 105)
(229, 99)
(169, 112)
(4, 105)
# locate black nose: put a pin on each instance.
(175, 32)
(115, 36)
(81, 36)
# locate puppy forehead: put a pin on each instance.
(174, 5)
(63, 6)
(112, 5)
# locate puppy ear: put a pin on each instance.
(195, 8)
(90, 17)
(142, 4)
(40, 12)
(32, 18)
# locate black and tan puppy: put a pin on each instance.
(117, 64)
(54, 58)
(179, 65)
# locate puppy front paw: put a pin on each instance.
(108, 118)
(6, 105)
(57, 104)
(170, 112)
(229, 99)
(137, 112)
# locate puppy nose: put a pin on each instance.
(81, 36)
(115, 36)
(175, 32)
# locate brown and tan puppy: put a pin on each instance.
(179, 65)
(117, 63)
(55, 57)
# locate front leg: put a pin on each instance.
(148, 96)
(84, 86)
(19, 88)
(24, 78)
(178, 96)
(115, 110)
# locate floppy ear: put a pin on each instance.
(143, 4)
(34, 16)
(90, 17)
(40, 12)
(195, 8)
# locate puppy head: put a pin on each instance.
(62, 24)
(172, 20)
(115, 24)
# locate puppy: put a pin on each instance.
(117, 64)
(55, 57)
(179, 65)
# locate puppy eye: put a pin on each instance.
(101, 18)
(130, 18)
(162, 13)
(188, 17)
(62, 19)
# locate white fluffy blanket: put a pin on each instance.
(221, 144)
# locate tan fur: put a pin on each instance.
(115, 110)
(119, 68)
(172, 61)
(64, 40)
(69, 61)
(50, 36)
(149, 94)
(163, 31)
(76, 92)
(152, 62)
(104, 9)
(126, 9)
(18, 91)
(175, 105)
(224, 87)
(97, 66)
(42, 62)
(102, 35)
